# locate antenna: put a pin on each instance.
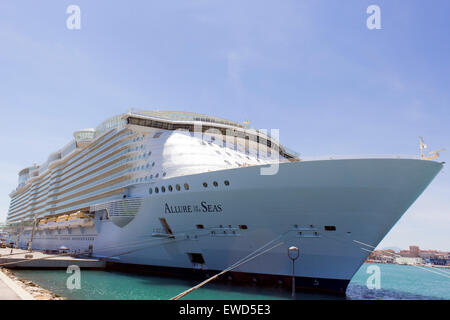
(423, 146)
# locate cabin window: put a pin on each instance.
(170, 188)
(178, 187)
(156, 190)
(157, 135)
(186, 186)
(330, 228)
(226, 182)
(205, 184)
(243, 226)
(150, 190)
(215, 184)
(200, 226)
(163, 189)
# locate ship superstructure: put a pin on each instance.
(100, 165)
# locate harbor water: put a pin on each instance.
(395, 282)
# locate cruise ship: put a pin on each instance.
(187, 193)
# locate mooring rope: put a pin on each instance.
(136, 243)
(41, 258)
(386, 253)
(238, 263)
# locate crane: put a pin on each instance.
(432, 154)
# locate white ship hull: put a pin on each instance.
(361, 198)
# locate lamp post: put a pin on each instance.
(293, 254)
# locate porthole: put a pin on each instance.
(226, 182)
(150, 190)
(157, 175)
(243, 226)
(156, 190)
(164, 174)
(170, 188)
(178, 187)
(200, 226)
(186, 186)
(205, 184)
(153, 164)
(163, 189)
(215, 184)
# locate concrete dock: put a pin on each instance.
(9, 290)
(23, 259)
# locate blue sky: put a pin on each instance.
(310, 68)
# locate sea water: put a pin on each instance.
(395, 282)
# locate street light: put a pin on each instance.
(293, 254)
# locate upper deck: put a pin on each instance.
(168, 120)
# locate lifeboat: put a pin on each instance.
(51, 223)
(62, 221)
(80, 219)
(42, 224)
